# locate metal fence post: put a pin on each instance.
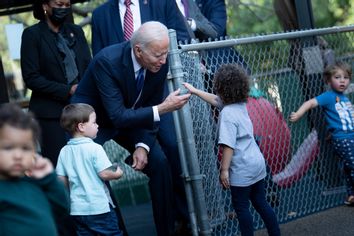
(184, 128)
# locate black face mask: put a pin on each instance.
(59, 15)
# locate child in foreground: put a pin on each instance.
(31, 197)
(83, 165)
(242, 166)
(339, 114)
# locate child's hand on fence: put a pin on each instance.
(224, 178)
(190, 87)
(294, 117)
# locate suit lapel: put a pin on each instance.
(116, 22)
(49, 38)
(128, 72)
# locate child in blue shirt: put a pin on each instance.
(339, 114)
(83, 165)
(242, 165)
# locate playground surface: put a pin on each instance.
(337, 221)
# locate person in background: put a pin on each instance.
(339, 115)
(206, 18)
(84, 166)
(242, 167)
(31, 195)
(113, 22)
(125, 85)
(54, 56)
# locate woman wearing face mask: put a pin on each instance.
(54, 56)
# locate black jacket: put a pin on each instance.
(43, 69)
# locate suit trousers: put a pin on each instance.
(160, 183)
(164, 172)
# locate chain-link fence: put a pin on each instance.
(304, 176)
(286, 69)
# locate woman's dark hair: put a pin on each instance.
(12, 115)
(38, 11)
(332, 69)
(231, 84)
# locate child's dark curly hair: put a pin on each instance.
(332, 69)
(231, 84)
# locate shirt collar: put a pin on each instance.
(131, 1)
(136, 65)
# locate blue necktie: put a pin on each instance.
(140, 80)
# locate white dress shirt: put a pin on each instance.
(137, 67)
(135, 8)
(190, 21)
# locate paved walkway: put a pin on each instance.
(338, 221)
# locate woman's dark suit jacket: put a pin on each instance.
(43, 69)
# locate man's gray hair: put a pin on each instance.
(148, 32)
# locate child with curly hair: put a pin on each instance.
(242, 165)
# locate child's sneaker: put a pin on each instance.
(349, 201)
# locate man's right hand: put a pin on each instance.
(173, 102)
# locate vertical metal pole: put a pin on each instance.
(304, 14)
(184, 167)
(187, 147)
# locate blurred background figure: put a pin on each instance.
(114, 22)
(206, 18)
